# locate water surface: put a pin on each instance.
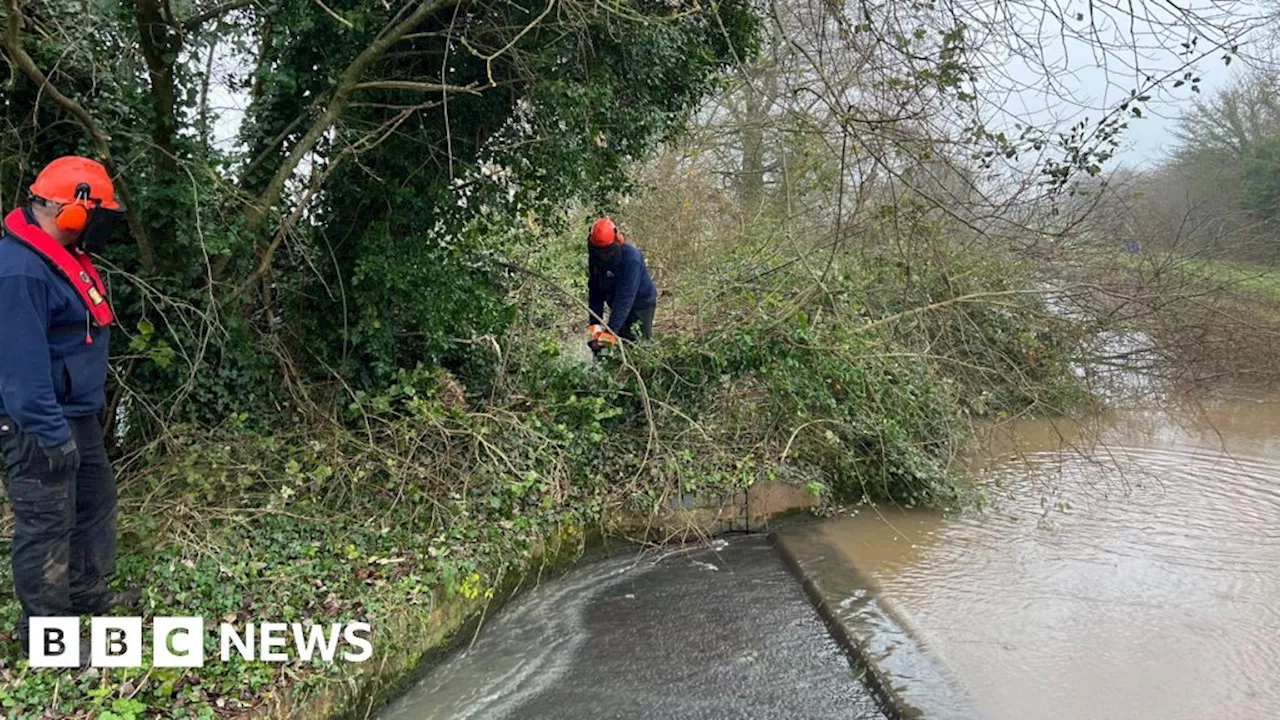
(708, 634)
(1134, 575)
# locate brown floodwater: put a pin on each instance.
(1125, 571)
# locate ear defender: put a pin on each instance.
(73, 218)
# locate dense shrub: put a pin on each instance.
(430, 489)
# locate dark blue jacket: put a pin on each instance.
(625, 286)
(47, 371)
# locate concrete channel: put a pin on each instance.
(718, 632)
(715, 632)
(911, 682)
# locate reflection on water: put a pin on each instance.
(1133, 576)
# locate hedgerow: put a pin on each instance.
(435, 488)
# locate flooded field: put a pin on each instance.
(1131, 575)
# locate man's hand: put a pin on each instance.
(63, 458)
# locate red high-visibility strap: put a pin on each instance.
(73, 264)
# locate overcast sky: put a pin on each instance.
(1056, 72)
(1069, 71)
(1151, 138)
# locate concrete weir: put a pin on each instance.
(697, 633)
(911, 682)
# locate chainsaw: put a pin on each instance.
(599, 337)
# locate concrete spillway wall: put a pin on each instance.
(911, 681)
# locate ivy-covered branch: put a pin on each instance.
(101, 141)
(346, 86)
(160, 47)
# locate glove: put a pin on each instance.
(63, 458)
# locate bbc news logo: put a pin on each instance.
(178, 642)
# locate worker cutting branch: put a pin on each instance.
(618, 278)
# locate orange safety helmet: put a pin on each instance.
(604, 233)
(79, 185)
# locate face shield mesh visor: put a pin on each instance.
(606, 255)
(99, 229)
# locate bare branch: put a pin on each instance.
(417, 86)
(217, 11)
(318, 179)
(330, 12)
(488, 59)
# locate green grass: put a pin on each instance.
(303, 562)
(1260, 280)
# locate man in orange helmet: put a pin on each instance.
(54, 337)
(617, 277)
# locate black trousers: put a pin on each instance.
(64, 536)
(641, 318)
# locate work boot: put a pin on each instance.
(126, 599)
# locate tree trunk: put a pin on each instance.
(160, 46)
(751, 176)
